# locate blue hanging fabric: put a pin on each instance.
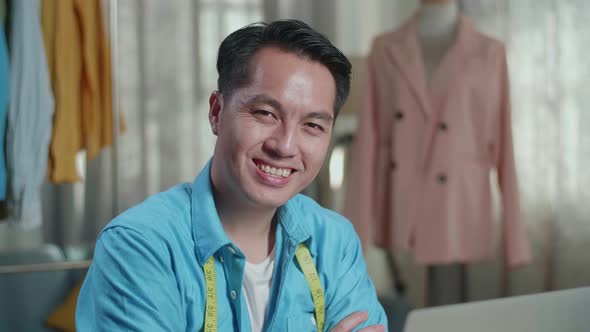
(30, 112)
(4, 93)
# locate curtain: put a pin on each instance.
(547, 43)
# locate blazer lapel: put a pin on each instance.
(447, 77)
(406, 53)
(457, 61)
(407, 56)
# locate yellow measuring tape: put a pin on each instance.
(309, 271)
(313, 280)
(211, 289)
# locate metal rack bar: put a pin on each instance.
(114, 38)
(44, 267)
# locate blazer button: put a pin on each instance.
(399, 115)
(443, 126)
(442, 178)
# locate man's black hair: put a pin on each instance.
(293, 36)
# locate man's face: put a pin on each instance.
(273, 134)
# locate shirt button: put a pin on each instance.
(443, 126)
(442, 178)
(221, 258)
(231, 250)
(393, 165)
(233, 294)
(399, 115)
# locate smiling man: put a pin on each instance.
(240, 249)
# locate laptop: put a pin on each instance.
(558, 311)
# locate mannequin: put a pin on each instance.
(437, 22)
(436, 27)
(435, 121)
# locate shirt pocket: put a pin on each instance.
(302, 323)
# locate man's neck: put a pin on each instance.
(251, 229)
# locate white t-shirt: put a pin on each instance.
(256, 287)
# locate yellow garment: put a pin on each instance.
(3, 11)
(79, 59)
(63, 318)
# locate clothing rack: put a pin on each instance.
(112, 19)
(112, 22)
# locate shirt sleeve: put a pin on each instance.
(352, 290)
(130, 286)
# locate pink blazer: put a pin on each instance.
(419, 177)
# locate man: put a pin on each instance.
(228, 252)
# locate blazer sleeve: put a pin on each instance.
(359, 200)
(514, 234)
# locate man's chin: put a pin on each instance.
(273, 203)
(270, 201)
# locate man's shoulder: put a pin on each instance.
(167, 211)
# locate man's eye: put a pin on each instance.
(315, 126)
(264, 113)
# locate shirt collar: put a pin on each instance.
(207, 230)
(292, 221)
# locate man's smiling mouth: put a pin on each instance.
(273, 171)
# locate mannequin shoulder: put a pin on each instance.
(389, 38)
(489, 45)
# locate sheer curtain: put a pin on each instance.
(548, 42)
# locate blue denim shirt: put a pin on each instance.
(147, 273)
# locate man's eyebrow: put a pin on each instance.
(265, 99)
(321, 115)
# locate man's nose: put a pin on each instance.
(282, 143)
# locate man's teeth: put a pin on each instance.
(284, 172)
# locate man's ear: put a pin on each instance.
(215, 106)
